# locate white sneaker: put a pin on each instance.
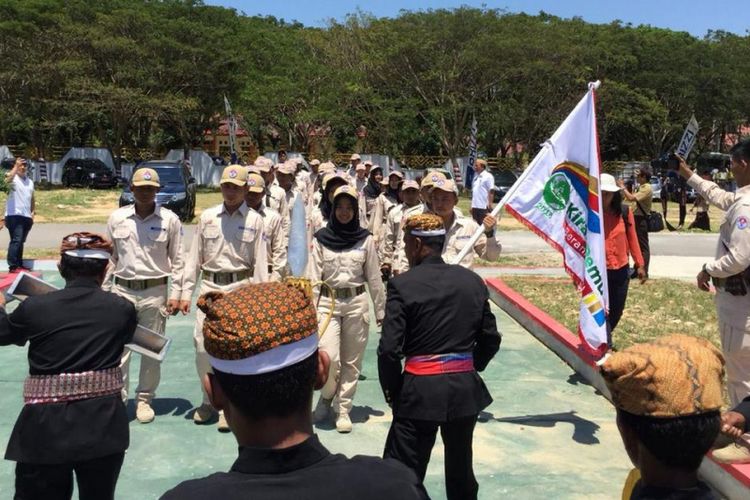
(322, 410)
(144, 413)
(344, 424)
(223, 426)
(204, 414)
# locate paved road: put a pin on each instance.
(519, 241)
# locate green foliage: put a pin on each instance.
(152, 74)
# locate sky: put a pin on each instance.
(693, 16)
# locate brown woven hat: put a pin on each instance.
(674, 376)
(258, 328)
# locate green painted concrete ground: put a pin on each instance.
(547, 434)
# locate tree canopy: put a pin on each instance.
(153, 73)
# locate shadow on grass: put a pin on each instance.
(584, 431)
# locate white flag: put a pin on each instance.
(560, 200)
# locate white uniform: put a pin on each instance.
(276, 250)
(732, 257)
(383, 205)
(145, 252)
(229, 251)
(487, 248)
(345, 339)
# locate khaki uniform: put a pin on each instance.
(359, 184)
(345, 338)
(276, 250)
(732, 257)
(487, 248)
(377, 221)
(223, 243)
(276, 198)
(392, 248)
(145, 249)
(643, 198)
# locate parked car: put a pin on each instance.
(655, 188)
(88, 172)
(177, 191)
(504, 179)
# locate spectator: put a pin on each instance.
(19, 212)
(620, 242)
(667, 424)
(481, 191)
(642, 199)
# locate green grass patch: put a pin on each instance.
(658, 307)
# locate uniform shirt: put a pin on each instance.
(460, 233)
(481, 187)
(643, 198)
(392, 247)
(360, 184)
(77, 329)
(376, 225)
(305, 471)
(145, 248)
(732, 250)
(226, 243)
(350, 268)
(436, 308)
(19, 197)
(276, 250)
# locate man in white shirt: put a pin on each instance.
(481, 191)
(19, 212)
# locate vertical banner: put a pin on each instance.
(469, 178)
(558, 197)
(688, 138)
(232, 126)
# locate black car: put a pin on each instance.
(177, 191)
(88, 172)
(504, 179)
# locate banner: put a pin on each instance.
(469, 178)
(232, 126)
(560, 200)
(688, 138)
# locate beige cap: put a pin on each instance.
(255, 183)
(329, 177)
(398, 174)
(252, 169)
(347, 190)
(431, 178)
(360, 167)
(315, 162)
(263, 164)
(145, 177)
(409, 185)
(368, 162)
(355, 156)
(445, 185)
(234, 174)
(288, 167)
(327, 167)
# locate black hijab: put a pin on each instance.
(337, 236)
(392, 193)
(372, 189)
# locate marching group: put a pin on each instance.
(260, 353)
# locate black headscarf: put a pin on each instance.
(372, 189)
(337, 236)
(325, 205)
(390, 192)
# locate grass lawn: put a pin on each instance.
(658, 307)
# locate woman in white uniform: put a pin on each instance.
(344, 256)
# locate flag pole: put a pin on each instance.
(469, 247)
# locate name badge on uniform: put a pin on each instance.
(742, 222)
(463, 237)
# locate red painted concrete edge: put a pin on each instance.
(550, 324)
(740, 472)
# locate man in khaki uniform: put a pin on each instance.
(228, 251)
(641, 206)
(276, 246)
(732, 259)
(275, 196)
(393, 257)
(360, 179)
(459, 229)
(147, 250)
(425, 188)
(354, 161)
(285, 176)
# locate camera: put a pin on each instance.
(673, 162)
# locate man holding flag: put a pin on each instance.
(558, 197)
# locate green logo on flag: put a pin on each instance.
(557, 192)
